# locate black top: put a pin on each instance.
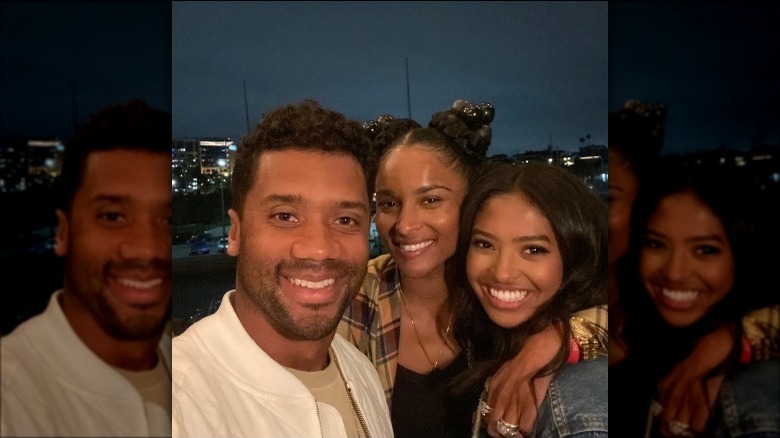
(423, 405)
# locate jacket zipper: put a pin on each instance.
(357, 409)
(355, 406)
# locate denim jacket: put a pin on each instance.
(575, 404)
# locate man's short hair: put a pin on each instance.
(132, 125)
(304, 126)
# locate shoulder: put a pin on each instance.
(378, 269)
(350, 357)
(19, 347)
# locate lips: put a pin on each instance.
(677, 299)
(312, 284)
(508, 296)
(414, 247)
(311, 289)
(503, 296)
(139, 291)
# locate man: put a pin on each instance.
(268, 363)
(95, 362)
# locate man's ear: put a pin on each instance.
(234, 235)
(61, 240)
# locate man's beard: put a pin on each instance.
(260, 283)
(90, 288)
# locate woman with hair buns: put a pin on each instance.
(402, 317)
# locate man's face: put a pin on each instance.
(117, 239)
(302, 240)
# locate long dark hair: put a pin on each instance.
(578, 219)
(733, 200)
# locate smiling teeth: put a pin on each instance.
(509, 296)
(148, 284)
(313, 284)
(680, 295)
(416, 246)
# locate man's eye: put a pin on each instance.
(110, 216)
(285, 217)
(347, 221)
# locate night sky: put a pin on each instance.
(542, 66)
(715, 66)
(112, 52)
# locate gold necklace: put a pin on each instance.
(435, 365)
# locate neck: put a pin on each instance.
(301, 355)
(134, 355)
(430, 291)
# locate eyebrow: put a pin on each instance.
(694, 239)
(298, 199)
(284, 199)
(420, 190)
(113, 199)
(521, 239)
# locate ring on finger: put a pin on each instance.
(508, 430)
(680, 429)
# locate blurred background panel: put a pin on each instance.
(59, 63)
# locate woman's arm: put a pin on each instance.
(514, 393)
(689, 390)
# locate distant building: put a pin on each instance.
(30, 164)
(589, 163)
(201, 165)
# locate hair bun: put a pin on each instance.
(385, 129)
(467, 125)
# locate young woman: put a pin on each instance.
(402, 318)
(694, 264)
(532, 251)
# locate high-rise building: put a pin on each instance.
(29, 164)
(201, 165)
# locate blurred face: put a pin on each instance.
(117, 239)
(686, 263)
(623, 186)
(302, 240)
(418, 200)
(513, 262)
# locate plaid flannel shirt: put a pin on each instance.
(373, 321)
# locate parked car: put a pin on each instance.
(199, 248)
(222, 245)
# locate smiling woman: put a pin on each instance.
(692, 267)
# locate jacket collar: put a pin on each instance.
(67, 355)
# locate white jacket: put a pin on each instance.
(224, 384)
(54, 385)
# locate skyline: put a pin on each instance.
(529, 60)
(714, 65)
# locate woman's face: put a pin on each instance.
(623, 186)
(418, 200)
(686, 263)
(513, 262)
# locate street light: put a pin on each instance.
(222, 197)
